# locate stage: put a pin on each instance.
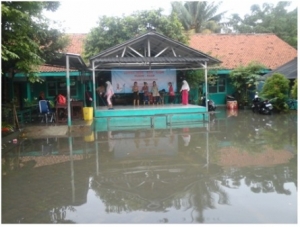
(149, 116)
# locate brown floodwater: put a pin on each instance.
(241, 168)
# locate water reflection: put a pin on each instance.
(241, 168)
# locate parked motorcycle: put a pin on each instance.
(261, 106)
(210, 103)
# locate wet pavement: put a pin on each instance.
(239, 169)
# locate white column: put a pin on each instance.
(68, 90)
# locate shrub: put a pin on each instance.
(243, 78)
(294, 90)
(276, 87)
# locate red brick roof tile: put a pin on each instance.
(76, 46)
(241, 49)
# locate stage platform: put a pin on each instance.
(149, 116)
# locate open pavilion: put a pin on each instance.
(145, 53)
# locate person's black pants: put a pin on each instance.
(88, 103)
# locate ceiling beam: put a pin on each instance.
(161, 52)
(135, 51)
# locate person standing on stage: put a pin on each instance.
(135, 90)
(101, 92)
(145, 90)
(155, 93)
(109, 93)
(171, 93)
(185, 88)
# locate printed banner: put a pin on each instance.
(122, 81)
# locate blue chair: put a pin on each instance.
(45, 112)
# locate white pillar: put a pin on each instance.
(94, 87)
(68, 90)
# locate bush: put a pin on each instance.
(276, 88)
(294, 91)
(243, 78)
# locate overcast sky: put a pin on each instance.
(81, 16)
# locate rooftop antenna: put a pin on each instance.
(150, 27)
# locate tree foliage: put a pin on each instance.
(276, 87)
(243, 78)
(27, 40)
(199, 16)
(268, 19)
(115, 30)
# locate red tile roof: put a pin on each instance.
(76, 46)
(232, 49)
(50, 68)
(76, 43)
(240, 49)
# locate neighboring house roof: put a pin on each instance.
(76, 46)
(241, 49)
(290, 70)
(76, 43)
(232, 49)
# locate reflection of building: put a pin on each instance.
(153, 184)
(143, 143)
(43, 184)
(189, 181)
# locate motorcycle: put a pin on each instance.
(261, 106)
(210, 103)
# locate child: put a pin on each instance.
(135, 90)
(145, 90)
(155, 93)
(171, 93)
(109, 93)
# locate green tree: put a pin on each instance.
(244, 78)
(115, 30)
(276, 87)
(268, 19)
(199, 16)
(27, 40)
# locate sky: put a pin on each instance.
(80, 16)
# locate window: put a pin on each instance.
(59, 86)
(218, 87)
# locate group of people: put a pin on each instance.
(156, 95)
(108, 93)
(146, 93)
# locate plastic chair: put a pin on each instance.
(45, 112)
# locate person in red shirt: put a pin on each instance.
(171, 93)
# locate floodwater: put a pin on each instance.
(241, 168)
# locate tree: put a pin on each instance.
(199, 16)
(268, 19)
(27, 40)
(243, 78)
(276, 87)
(115, 30)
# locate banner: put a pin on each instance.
(122, 81)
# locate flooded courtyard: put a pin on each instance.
(241, 168)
